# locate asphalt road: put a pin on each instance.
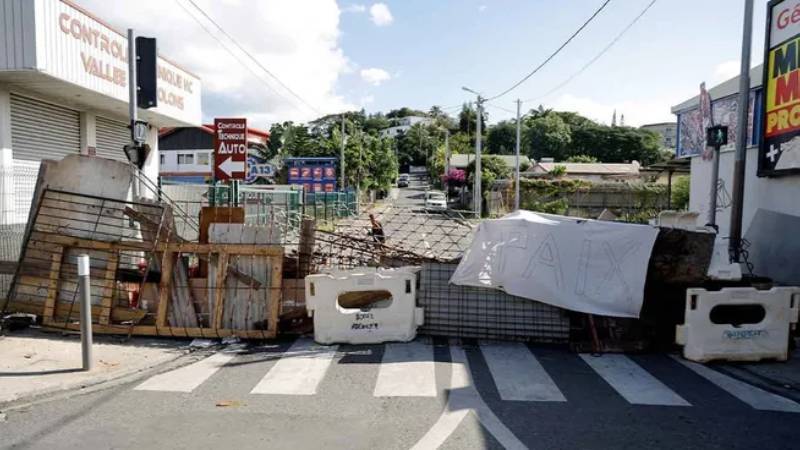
(408, 226)
(428, 394)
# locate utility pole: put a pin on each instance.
(132, 100)
(516, 162)
(446, 151)
(341, 158)
(478, 197)
(734, 249)
(476, 194)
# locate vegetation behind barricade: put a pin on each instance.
(630, 202)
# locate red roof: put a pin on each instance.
(209, 128)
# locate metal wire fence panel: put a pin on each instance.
(23, 176)
(468, 312)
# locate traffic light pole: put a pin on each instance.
(133, 102)
(712, 205)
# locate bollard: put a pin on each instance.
(86, 311)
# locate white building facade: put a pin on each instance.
(64, 90)
(404, 124)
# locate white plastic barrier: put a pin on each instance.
(703, 340)
(390, 320)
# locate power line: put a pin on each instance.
(598, 56)
(558, 50)
(249, 55)
(501, 108)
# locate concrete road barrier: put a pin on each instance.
(738, 324)
(364, 306)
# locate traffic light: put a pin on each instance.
(146, 72)
(717, 136)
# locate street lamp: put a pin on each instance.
(477, 198)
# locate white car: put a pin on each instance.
(435, 201)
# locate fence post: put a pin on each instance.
(86, 311)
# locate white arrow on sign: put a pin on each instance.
(229, 166)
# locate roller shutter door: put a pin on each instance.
(111, 137)
(41, 130)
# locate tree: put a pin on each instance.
(417, 144)
(547, 135)
(582, 159)
(492, 169)
(680, 193)
(502, 138)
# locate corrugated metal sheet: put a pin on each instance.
(111, 137)
(41, 130)
(17, 35)
(467, 312)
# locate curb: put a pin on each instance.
(98, 383)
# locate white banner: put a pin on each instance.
(582, 265)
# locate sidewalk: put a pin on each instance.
(34, 363)
(782, 378)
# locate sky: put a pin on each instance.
(328, 56)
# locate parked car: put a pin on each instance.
(402, 180)
(435, 201)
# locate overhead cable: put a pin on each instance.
(248, 54)
(558, 50)
(598, 56)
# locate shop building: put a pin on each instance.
(64, 90)
(771, 210)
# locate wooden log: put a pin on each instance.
(219, 286)
(275, 294)
(52, 288)
(167, 262)
(108, 288)
(306, 247)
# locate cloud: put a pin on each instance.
(726, 70)
(637, 112)
(355, 8)
(375, 76)
(482, 8)
(303, 50)
(380, 14)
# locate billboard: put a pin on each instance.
(314, 174)
(230, 149)
(779, 150)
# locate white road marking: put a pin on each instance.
(518, 375)
(753, 396)
(463, 399)
(299, 371)
(407, 370)
(186, 379)
(632, 382)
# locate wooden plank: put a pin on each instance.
(118, 313)
(275, 295)
(52, 287)
(147, 330)
(167, 262)
(108, 288)
(172, 247)
(219, 292)
(8, 267)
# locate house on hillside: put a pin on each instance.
(403, 124)
(187, 154)
(667, 130)
(587, 171)
(460, 161)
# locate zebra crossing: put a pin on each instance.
(409, 370)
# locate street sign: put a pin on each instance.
(230, 149)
